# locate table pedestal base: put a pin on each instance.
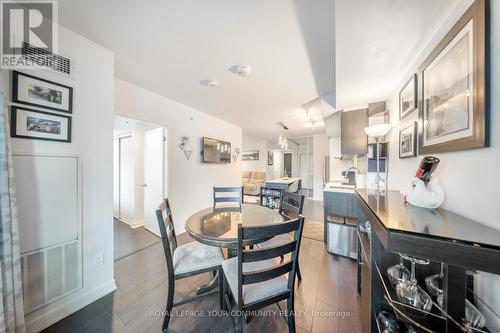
(204, 288)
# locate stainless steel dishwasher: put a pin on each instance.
(341, 238)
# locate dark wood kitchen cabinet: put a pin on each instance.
(353, 137)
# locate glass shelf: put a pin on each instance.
(420, 318)
(414, 312)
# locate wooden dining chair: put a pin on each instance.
(254, 279)
(228, 196)
(291, 206)
(186, 260)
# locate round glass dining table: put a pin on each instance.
(219, 226)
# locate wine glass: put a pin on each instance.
(435, 283)
(388, 322)
(473, 317)
(398, 273)
(409, 292)
(412, 329)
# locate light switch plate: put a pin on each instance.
(99, 259)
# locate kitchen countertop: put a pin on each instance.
(287, 181)
(339, 187)
(394, 215)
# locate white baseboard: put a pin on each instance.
(137, 224)
(36, 323)
(133, 225)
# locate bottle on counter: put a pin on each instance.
(426, 168)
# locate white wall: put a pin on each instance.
(92, 134)
(469, 178)
(190, 181)
(321, 149)
(260, 165)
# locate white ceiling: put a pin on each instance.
(170, 47)
(356, 51)
(377, 41)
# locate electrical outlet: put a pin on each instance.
(99, 259)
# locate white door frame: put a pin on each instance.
(167, 181)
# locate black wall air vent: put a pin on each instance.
(57, 62)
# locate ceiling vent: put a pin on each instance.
(57, 63)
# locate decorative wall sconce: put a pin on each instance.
(236, 154)
(185, 146)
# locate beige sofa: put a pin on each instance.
(253, 181)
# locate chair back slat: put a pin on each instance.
(260, 232)
(246, 234)
(258, 254)
(227, 189)
(167, 232)
(267, 274)
(234, 195)
(228, 199)
(292, 204)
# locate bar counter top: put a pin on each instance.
(396, 216)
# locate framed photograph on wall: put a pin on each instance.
(408, 141)
(250, 155)
(408, 97)
(270, 158)
(33, 124)
(34, 91)
(453, 82)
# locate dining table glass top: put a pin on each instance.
(219, 226)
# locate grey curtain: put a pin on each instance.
(11, 305)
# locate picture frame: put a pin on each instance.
(408, 141)
(35, 91)
(270, 158)
(453, 87)
(33, 124)
(408, 97)
(250, 155)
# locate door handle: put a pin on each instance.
(144, 185)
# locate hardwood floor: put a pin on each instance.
(325, 301)
(128, 240)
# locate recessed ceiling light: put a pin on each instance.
(212, 83)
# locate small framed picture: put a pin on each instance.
(34, 91)
(408, 97)
(250, 155)
(270, 158)
(33, 124)
(408, 141)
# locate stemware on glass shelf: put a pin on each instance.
(473, 317)
(409, 292)
(388, 323)
(398, 273)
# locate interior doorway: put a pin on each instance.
(140, 183)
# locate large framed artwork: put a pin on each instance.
(408, 97)
(453, 88)
(408, 141)
(35, 91)
(250, 155)
(33, 124)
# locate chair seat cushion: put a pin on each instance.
(255, 291)
(195, 256)
(277, 240)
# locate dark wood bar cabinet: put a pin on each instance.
(458, 246)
